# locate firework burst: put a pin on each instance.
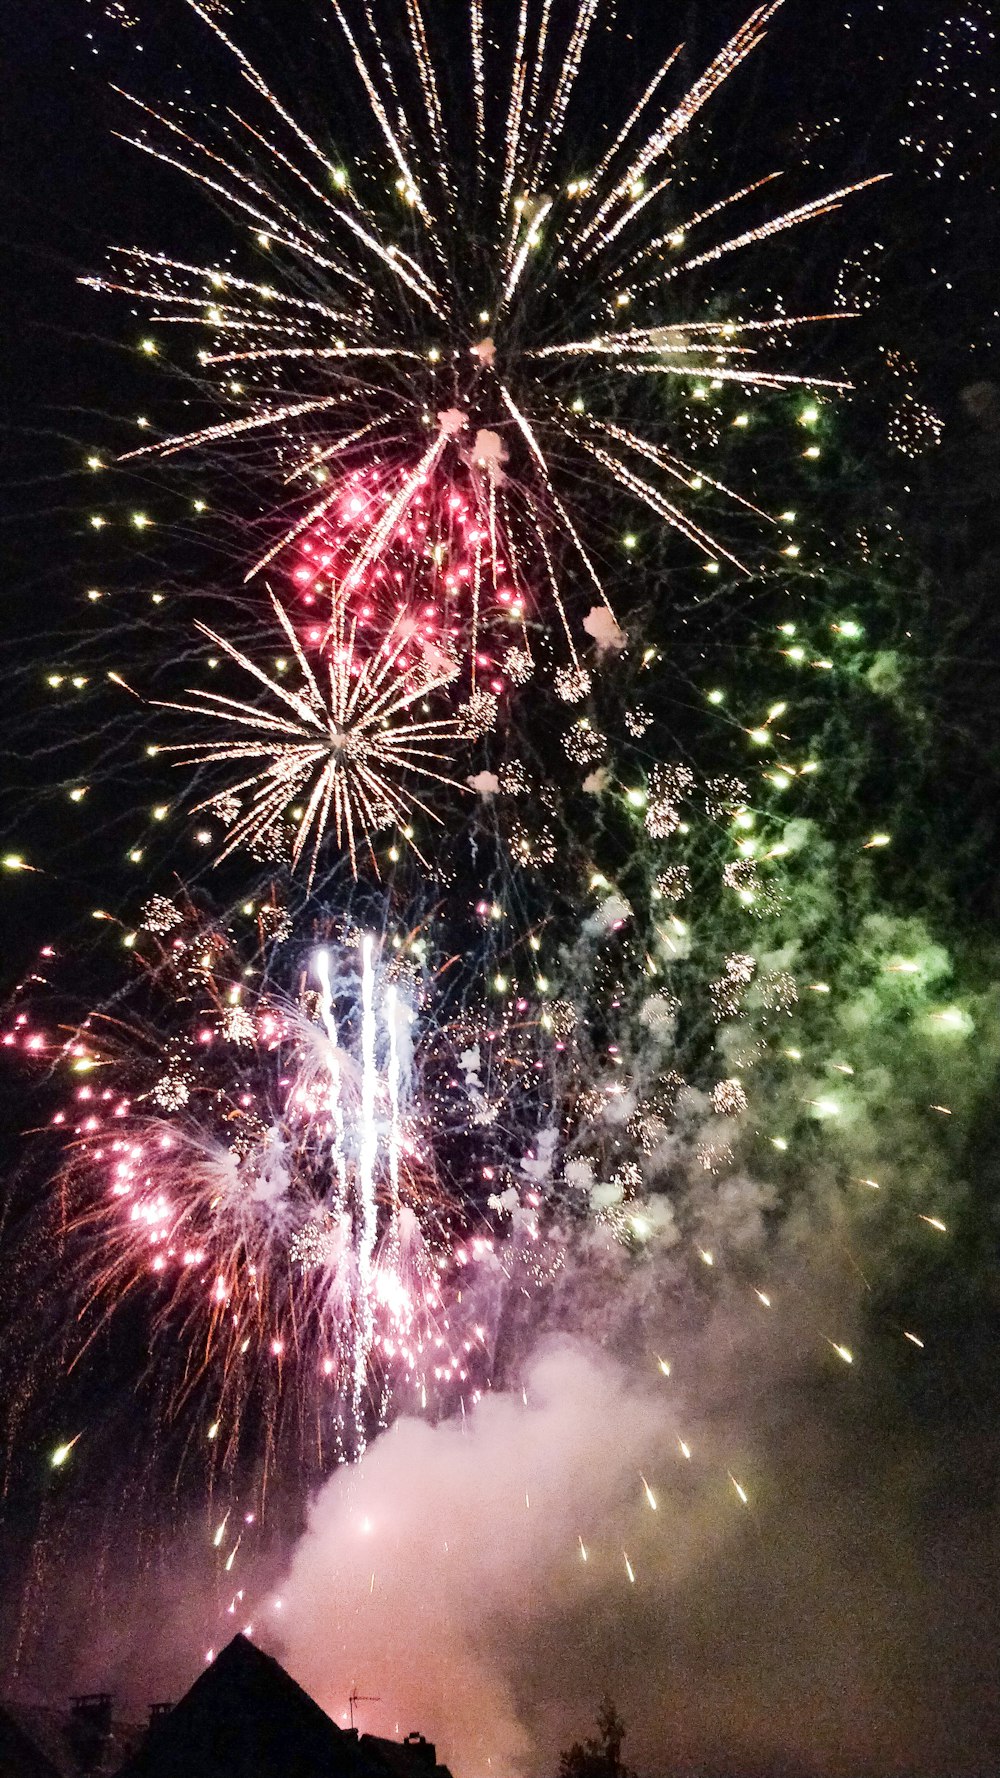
(346, 743)
(271, 1169)
(462, 322)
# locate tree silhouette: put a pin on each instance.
(600, 1755)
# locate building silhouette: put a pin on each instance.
(244, 1717)
(82, 1741)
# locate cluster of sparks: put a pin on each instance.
(270, 1166)
(456, 332)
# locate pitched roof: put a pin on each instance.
(31, 1743)
(244, 1717)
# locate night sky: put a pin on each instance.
(847, 1621)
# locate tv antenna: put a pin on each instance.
(357, 1697)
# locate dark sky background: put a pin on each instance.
(861, 1631)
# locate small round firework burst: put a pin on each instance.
(627, 1178)
(572, 684)
(668, 787)
(673, 883)
(914, 427)
(238, 1026)
(171, 1093)
(532, 845)
(668, 1089)
(477, 717)
(584, 744)
(311, 1245)
(725, 797)
(662, 819)
(637, 720)
(592, 1102)
(727, 993)
(714, 1157)
(275, 921)
(518, 666)
(159, 914)
(729, 1098)
(741, 874)
(274, 846)
(648, 1130)
(617, 1219)
(514, 780)
(778, 991)
(250, 1134)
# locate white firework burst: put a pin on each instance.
(344, 745)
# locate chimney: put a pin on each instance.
(157, 1712)
(424, 1751)
(89, 1729)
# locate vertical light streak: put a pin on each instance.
(585, 17)
(381, 115)
(394, 1012)
(554, 584)
(514, 113)
(367, 1213)
(429, 88)
(537, 65)
(476, 591)
(336, 1104)
(478, 83)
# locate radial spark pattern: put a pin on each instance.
(461, 317)
(346, 742)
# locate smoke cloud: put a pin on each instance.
(492, 1576)
(446, 1574)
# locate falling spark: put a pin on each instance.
(843, 1352)
(62, 1452)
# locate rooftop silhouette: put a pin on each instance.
(244, 1717)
